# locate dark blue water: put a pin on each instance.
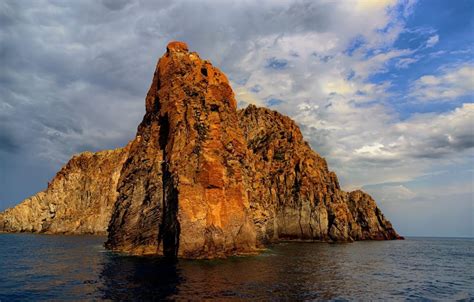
(45, 267)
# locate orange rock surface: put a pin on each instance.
(185, 168)
(293, 193)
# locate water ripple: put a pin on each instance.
(45, 267)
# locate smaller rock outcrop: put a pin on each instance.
(78, 200)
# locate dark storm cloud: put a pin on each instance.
(442, 145)
(59, 59)
(464, 141)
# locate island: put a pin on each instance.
(201, 179)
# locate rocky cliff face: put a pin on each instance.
(294, 195)
(78, 200)
(182, 191)
(201, 179)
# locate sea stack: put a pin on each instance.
(183, 190)
(202, 179)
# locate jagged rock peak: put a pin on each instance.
(177, 46)
(183, 187)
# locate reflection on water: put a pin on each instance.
(266, 276)
(128, 278)
(37, 267)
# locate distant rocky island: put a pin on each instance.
(201, 179)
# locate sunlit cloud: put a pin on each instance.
(449, 84)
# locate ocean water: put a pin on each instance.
(50, 267)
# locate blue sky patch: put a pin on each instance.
(256, 88)
(440, 34)
(355, 44)
(275, 63)
(273, 102)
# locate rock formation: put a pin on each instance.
(294, 195)
(182, 190)
(79, 199)
(201, 179)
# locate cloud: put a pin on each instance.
(365, 145)
(393, 193)
(426, 136)
(115, 4)
(432, 41)
(406, 62)
(449, 84)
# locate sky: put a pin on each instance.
(382, 89)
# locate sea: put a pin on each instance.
(77, 268)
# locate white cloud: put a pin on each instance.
(449, 84)
(392, 193)
(406, 62)
(432, 41)
(374, 150)
(434, 136)
(366, 145)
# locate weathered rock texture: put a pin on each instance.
(182, 190)
(294, 195)
(201, 179)
(78, 200)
